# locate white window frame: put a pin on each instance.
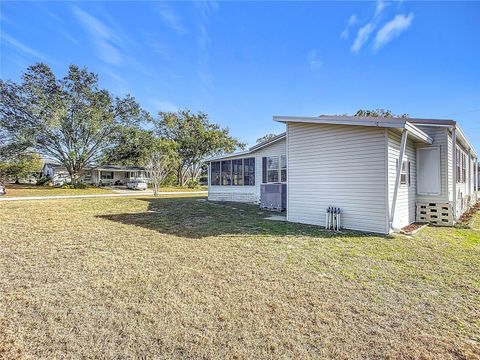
(278, 169)
(405, 172)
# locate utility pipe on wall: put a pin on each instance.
(403, 143)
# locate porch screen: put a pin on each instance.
(428, 171)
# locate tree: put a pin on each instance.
(379, 113)
(20, 167)
(195, 139)
(265, 138)
(135, 147)
(158, 169)
(69, 120)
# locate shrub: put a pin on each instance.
(43, 181)
(193, 183)
(79, 185)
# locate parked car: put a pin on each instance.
(137, 185)
(3, 190)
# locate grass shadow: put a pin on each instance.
(194, 217)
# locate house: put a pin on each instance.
(383, 173)
(100, 175)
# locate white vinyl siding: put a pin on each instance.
(406, 198)
(462, 187)
(336, 165)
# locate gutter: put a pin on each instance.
(454, 172)
(403, 143)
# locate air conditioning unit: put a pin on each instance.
(273, 196)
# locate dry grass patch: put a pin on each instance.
(185, 278)
(24, 190)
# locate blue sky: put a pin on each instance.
(243, 62)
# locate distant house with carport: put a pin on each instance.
(104, 175)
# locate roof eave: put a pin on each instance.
(374, 122)
(268, 142)
(418, 134)
(227, 156)
(380, 122)
(462, 137)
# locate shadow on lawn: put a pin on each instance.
(196, 218)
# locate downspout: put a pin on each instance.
(476, 174)
(469, 173)
(454, 173)
(403, 143)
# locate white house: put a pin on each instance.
(383, 173)
(101, 175)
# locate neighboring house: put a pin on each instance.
(383, 173)
(101, 175)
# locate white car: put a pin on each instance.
(3, 190)
(137, 185)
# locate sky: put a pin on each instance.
(243, 62)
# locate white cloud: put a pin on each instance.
(362, 37)
(352, 20)
(314, 60)
(170, 18)
(380, 6)
(163, 105)
(21, 48)
(392, 29)
(105, 40)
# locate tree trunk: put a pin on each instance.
(180, 175)
(74, 176)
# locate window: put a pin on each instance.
(107, 175)
(249, 171)
(227, 172)
(283, 168)
(461, 168)
(274, 169)
(405, 173)
(237, 170)
(215, 173)
(127, 174)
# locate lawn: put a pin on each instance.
(185, 278)
(23, 190)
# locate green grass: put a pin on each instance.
(186, 278)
